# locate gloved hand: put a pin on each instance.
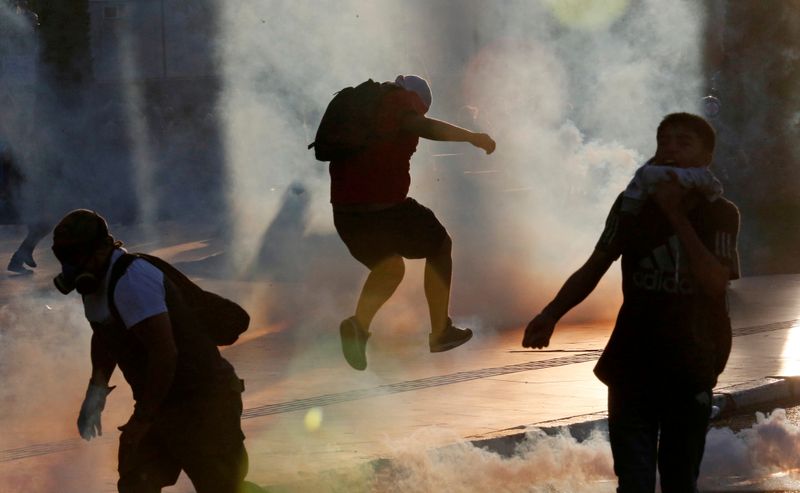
(89, 425)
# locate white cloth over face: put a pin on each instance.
(649, 175)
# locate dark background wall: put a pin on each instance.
(752, 56)
(114, 88)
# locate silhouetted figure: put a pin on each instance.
(284, 246)
(24, 254)
(672, 337)
(11, 180)
(188, 398)
(377, 220)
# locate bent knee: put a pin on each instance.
(446, 247)
(391, 267)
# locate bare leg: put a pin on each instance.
(381, 283)
(438, 273)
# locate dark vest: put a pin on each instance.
(200, 366)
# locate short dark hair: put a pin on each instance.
(696, 124)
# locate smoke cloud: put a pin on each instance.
(760, 456)
(573, 106)
(572, 97)
(572, 103)
(769, 446)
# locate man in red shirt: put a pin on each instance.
(381, 225)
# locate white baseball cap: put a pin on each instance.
(416, 84)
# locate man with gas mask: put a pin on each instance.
(187, 413)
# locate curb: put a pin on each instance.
(756, 393)
(729, 400)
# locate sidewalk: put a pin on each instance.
(489, 388)
(307, 412)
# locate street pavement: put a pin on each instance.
(308, 416)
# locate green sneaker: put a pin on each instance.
(354, 343)
(451, 337)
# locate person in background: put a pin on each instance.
(11, 180)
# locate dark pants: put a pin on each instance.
(656, 427)
(201, 436)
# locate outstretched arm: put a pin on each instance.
(577, 287)
(432, 129)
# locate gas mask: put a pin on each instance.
(74, 275)
(80, 241)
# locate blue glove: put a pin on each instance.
(89, 425)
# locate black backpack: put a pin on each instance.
(222, 319)
(348, 124)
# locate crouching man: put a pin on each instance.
(188, 405)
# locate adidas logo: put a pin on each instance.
(655, 280)
(664, 271)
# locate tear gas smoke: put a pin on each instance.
(44, 364)
(573, 111)
(771, 445)
(557, 463)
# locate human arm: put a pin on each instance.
(710, 274)
(432, 129)
(139, 303)
(103, 364)
(577, 287)
(155, 333)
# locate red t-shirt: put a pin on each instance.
(380, 174)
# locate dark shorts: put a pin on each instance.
(201, 436)
(407, 229)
